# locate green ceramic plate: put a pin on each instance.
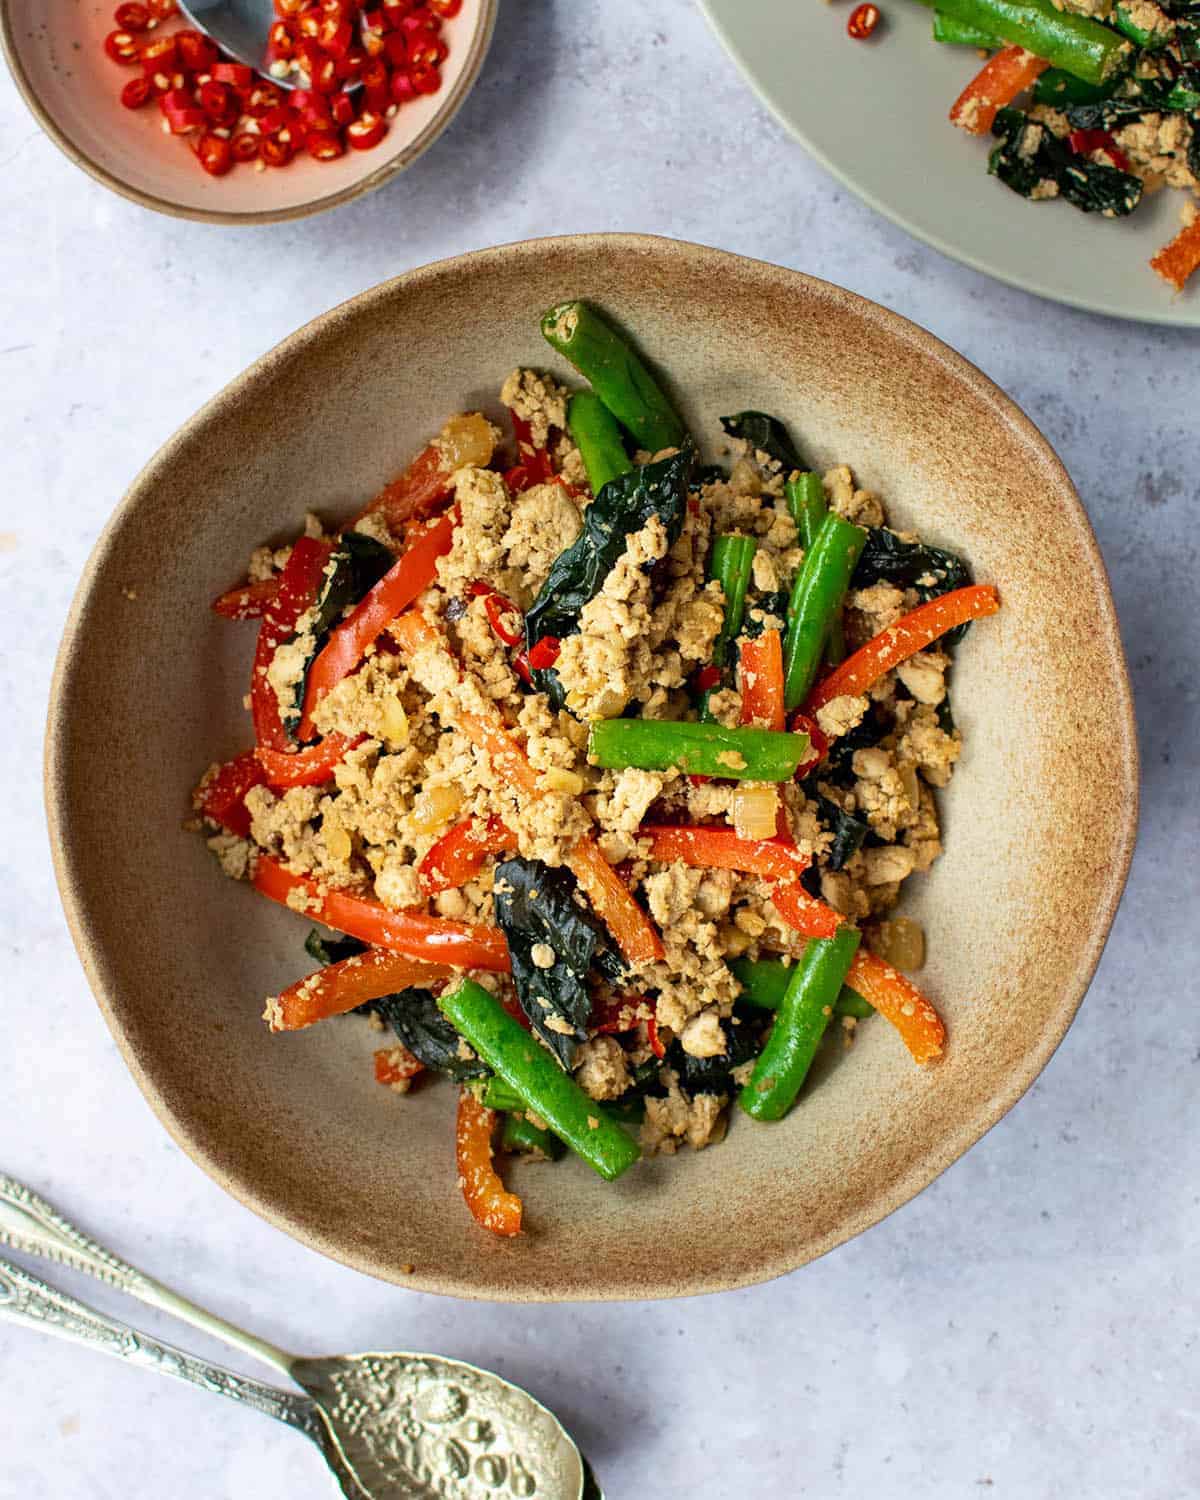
(875, 114)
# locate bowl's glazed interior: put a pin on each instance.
(1039, 818)
(56, 52)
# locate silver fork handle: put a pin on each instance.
(29, 1224)
(25, 1299)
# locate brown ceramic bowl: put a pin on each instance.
(55, 50)
(1039, 820)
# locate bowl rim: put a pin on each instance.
(450, 106)
(943, 1153)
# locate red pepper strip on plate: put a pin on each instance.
(247, 602)
(722, 849)
(760, 677)
(400, 585)
(460, 854)
(630, 926)
(396, 1065)
(808, 916)
(415, 493)
(1176, 262)
(996, 85)
(486, 1196)
(899, 1001)
(436, 940)
(221, 794)
(334, 990)
(311, 767)
(298, 585)
(905, 638)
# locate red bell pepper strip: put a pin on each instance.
(416, 492)
(544, 653)
(760, 677)
(899, 1001)
(723, 849)
(297, 588)
(633, 930)
(461, 853)
(486, 1196)
(411, 575)
(435, 940)
(311, 767)
(221, 794)
(334, 990)
(396, 1065)
(808, 916)
(248, 601)
(1176, 262)
(918, 629)
(996, 85)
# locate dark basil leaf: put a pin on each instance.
(331, 948)
(837, 765)
(885, 558)
(710, 1075)
(535, 904)
(945, 716)
(1091, 186)
(358, 563)
(765, 434)
(415, 1018)
(848, 831)
(764, 604)
(704, 474)
(622, 507)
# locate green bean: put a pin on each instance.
(542, 1086)
(765, 980)
(958, 34)
(1059, 88)
(616, 373)
(806, 500)
(1065, 40)
(804, 1012)
(743, 754)
(518, 1134)
(595, 433)
(816, 601)
(1150, 41)
(496, 1094)
(731, 564)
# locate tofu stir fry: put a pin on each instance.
(597, 770)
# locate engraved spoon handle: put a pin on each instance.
(30, 1225)
(26, 1299)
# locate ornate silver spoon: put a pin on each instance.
(390, 1426)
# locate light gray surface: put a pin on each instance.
(1026, 1327)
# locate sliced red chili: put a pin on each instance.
(426, 77)
(447, 9)
(215, 154)
(324, 145)
(182, 115)
(132, 17)
(652, 1036)
(801, 723)
(122, 47)
(245, 146)
(863, 21)
(274, 152)
(137, 91)
(236, 75)
(217, 101)
(402, 88)
(520, 664)
(544, 653)
(499, 611)
(162, 9)
(708, 678)
(196, 52)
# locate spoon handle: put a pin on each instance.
(26, 1299)
(29, 1224)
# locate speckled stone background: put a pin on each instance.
(1026, 1327)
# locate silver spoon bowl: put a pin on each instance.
(391, 1426)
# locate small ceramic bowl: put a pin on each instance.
(55, 51)
(1038, 821)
